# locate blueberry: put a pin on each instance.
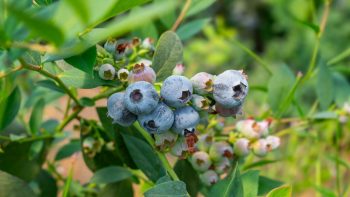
(176, 91)
(252, 129)
(273, 142)
(142, 72)
(228, 112)
(123, 75)
(158, 121)
(230, 88)
(200, 161)
(200, 102)
(110, 45)
(202, 82)
(222, 166)
(122, 48)
(260, 147)
(186, 119)
(179, 69)
(209, 177)
(180, 149)
(117, 110)
(165, 140)
(106, 72)
(141, 98)
(220, 150)
(147, 43)
(241, 147)
(204, 142)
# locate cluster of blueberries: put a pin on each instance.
(214, 158)
(253, 136)
(169, 111)
(176, 106)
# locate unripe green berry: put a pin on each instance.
(209, 178)
(200, 161)
(204, 142)
(241, 147)
(220, 150)
(222, 166)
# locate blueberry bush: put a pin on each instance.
(174, 98)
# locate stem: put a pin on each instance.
(253, 55)
(315, 51)
(40, 70)
(68, 119)
(4, 74)
(285, 104)
(181, 16)
(160, 155)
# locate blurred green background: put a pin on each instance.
(296, 54)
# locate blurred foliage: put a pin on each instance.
(296, 54)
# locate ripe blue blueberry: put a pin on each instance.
(117, 110)
(230, 88)
(106, 72)
(176, 91)
(110, 45)
(186, 119)
(158, 121)
(227, 112)
(141, 98)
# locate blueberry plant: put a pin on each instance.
(159, 131)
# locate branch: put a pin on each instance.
(181, 16)
(40, 70)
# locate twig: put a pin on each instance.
(160, 155)
(181, 16)
(4, 74)
(52, 76)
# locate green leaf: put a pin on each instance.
(87, 102)
(50, 85)
(37, 25)
(267, 184)
(170, 188)
(342, 89)
(113, 28)
(230, 186)
(9, 108)
(16, 160)
(325, 86)
(190, 29)
(144, 157)
(12, 186)
(84, 61)
(78, 79)
(250, 182)
(37, 116)
(283, 191)
(341, 56)
(325, 115)
(68, 150)
(47, 184)
(110, 174)
(279, 85)
(188, 175)
(259, 163)
(198, 6)
(168, 53)
(121, 188)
